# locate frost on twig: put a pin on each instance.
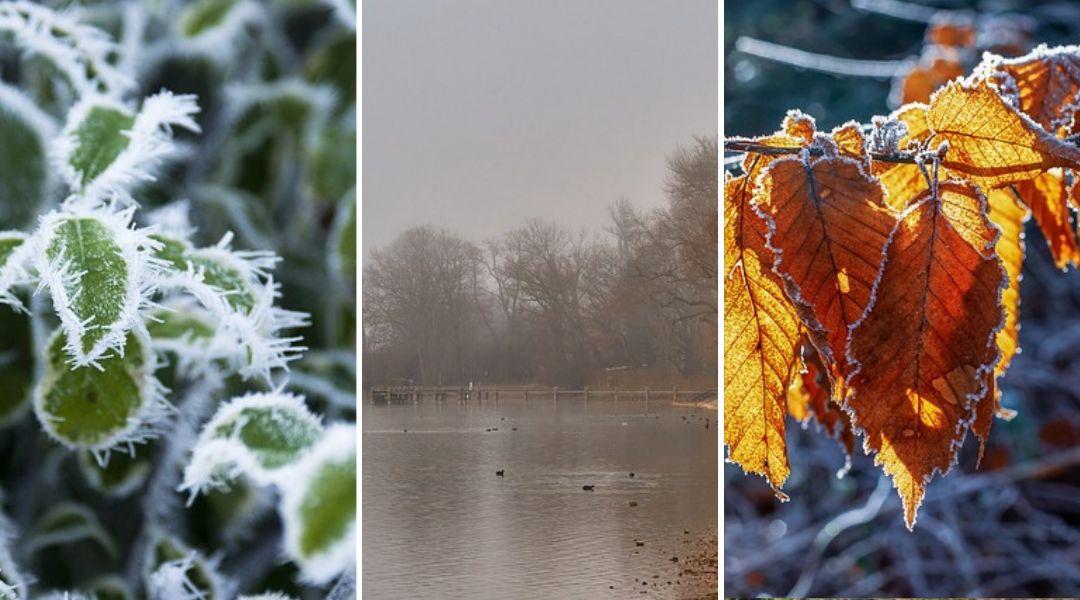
(847, 67)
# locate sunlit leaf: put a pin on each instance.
(923, 350)
(761, 332)
(990, 142)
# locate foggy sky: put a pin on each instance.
(480, 113)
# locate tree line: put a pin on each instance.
(550, 305)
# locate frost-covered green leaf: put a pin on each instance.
(236, 289)
(255, 435)
(174, 571)
(24, 166)
(110, 200)
(98, 273)
(106, 148)
(66, 523)
(121, 476)
(318, 506)
(96, 408)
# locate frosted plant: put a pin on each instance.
(177, 266)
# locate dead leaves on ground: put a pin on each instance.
(872, 285)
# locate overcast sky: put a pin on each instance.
(478, 114)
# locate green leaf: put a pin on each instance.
(202, 15)
(255, 435)
(99, 141)
(332, 163)
(97, 408)
(96, 270)
(319, 506)
(24, 160)
(106, 149)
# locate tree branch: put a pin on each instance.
(750, 146)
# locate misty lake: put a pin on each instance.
(438, 522)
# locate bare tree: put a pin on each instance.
(420, 296)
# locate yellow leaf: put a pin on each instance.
(990, 142)
(761, 332)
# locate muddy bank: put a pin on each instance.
(685, 570)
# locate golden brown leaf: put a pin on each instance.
(1045, 83)
(991, 143)
(850, 140)
(1009, 215)
(924, 348)
(1048, 198)
(829, 224)
(761, 331)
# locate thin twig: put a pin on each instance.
(833, 65)
(898, 10)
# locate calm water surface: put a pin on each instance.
(438, 523)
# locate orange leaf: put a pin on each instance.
(924, 348)
(934, 70)
(761, 332)
(1045, 84)
(809, 398)
(828, 223)
(1048, 198)
(796, 131)
(951, 30)
(990, 142)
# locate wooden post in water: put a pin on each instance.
(674, 394)
(616, 394)
(554, 395)
(526, 395)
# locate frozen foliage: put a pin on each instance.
(177, 228)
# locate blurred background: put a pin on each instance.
(1008, 528)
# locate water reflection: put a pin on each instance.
(438, 522)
